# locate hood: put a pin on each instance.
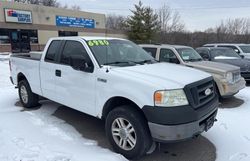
(213, 67)
(242, 63)
(164, 75)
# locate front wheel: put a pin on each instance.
(27, 97)
(128, 132)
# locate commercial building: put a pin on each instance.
(25, 27)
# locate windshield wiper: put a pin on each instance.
(120, 62)
(130, 62)
(151, 61)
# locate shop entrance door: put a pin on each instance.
(20, 41)
(24, 41)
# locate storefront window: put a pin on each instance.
(67, 33)
(4, 36)
(33, 37)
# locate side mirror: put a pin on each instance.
(206, 57)
(237, 51)
(242, 56)
(79, 63)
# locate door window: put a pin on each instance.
(74, 48)
(231, 47)
(203, 53)
(53, 50)
(167, 55)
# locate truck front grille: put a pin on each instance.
(201, 92)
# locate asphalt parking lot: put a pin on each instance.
(199, 149)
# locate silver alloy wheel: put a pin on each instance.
(124, 134)
(24, 94)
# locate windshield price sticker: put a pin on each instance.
(98, 43)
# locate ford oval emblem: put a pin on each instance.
(208, 91)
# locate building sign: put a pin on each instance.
(18, 16)
(66, 21)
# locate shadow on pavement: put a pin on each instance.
(199, 149)
(19, 104)
(232, 102)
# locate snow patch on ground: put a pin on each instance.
(4, 56)
(231, 133)
(38, 135)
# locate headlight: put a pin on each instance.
(229, 77)
(170, 98)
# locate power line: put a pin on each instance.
(186, 8)
(208, 8)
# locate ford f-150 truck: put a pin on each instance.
(141, 100)
(227, 77)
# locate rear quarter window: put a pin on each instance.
(53, 50)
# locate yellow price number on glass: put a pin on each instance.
(98, 43)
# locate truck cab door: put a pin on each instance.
(47, 69)
(75, 88)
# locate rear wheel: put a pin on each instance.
(128, 132)
(27, 97)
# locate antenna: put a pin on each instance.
(106, 47)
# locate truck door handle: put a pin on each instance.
(58, 73)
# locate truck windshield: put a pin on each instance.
(245, 48)
(119, 53)
(224, 54)
(189, 54)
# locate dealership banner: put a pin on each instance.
(18, 16)
(67, 21)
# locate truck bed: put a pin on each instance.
(32, 55)
(27, 64)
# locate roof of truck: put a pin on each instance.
(87, 38)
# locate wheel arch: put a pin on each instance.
(20, 77)
(117, 101)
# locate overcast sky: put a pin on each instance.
(197, 14)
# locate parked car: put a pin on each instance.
(140, 99)
(227, 77)
(242, 49)
(228, 56)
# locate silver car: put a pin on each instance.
(227, 77)
(242, 49)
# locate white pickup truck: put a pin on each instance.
(141, 100)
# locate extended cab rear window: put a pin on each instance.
(151, 51)
(53, 50)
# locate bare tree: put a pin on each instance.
(170, 21)
(116, 22)
(52, 3)
(65, 6)
(76, 7)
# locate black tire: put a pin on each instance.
(32, 98)
(138, 122)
